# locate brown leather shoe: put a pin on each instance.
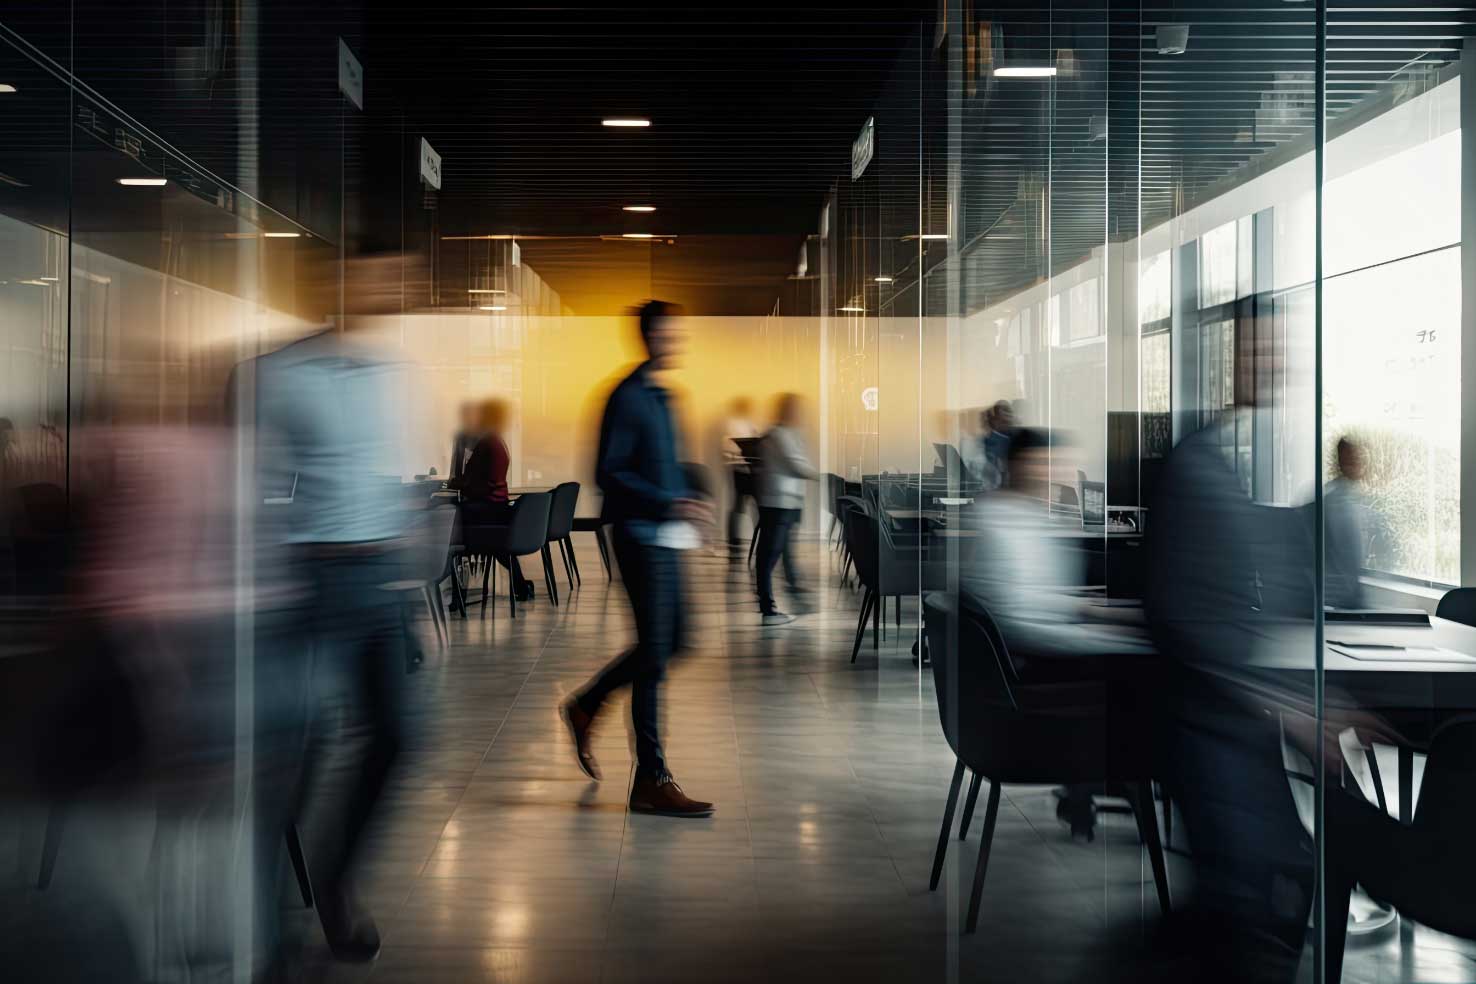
(579, 723)
(664, 798)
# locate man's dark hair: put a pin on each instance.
(650, 313)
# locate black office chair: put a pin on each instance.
(835, 487)
(1431, 887)
(1458, 605)
(861, 534)
(560, 525)
(595, 525)
(845, 505)
(1010, 731)
(886, 568)
(526, 532)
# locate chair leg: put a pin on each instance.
(866, 603)
(877, 602)
(56, 819)
(969, 801)
(299, 865)
(1375, 775)
(1168, 819)
(568, 569)
(604, 550)
(1337, 896)
(548, 574)
(1141, 797)
(435, 617)
(486, 573)
(752, 544)
(986, 840)
(514, 582)
(899, 615)
(459, 590)
(938, 855)
(573, 559)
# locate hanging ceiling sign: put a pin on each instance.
(863, 148)
(350, 75)
(430, 165)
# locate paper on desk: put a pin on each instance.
(1402, 654)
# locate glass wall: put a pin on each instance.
(1209, 262)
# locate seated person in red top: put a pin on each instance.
(483, 482)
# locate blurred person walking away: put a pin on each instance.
(326, 415)
(783, 471)
(738, 427)
(653, 511)
(1346, 528)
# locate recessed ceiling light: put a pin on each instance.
(883, 280)
(143, 182)
(626, 121)
(934, 235)
(7, 87)
(485, 290)
(282, 235)
(850, 309)
(638, 235)
(493, 307)
(49, 280)
(34, 282)
(1025, 72)
(639, 208)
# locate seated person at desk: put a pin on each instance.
(1029, 576)
(483, 480)
(998, 425)
(466, 438)
(1025, 574)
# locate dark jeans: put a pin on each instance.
(775, 527)
(653, 580)
(359, 673)
(742, 493)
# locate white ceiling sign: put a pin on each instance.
(863, 148)
(430, 165)
(350, 75)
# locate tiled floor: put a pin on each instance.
(493, 859)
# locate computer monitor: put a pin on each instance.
(951, 461)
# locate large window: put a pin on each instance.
(1391, 359)
(1217, 259)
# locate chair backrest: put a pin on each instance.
(1458, 605)
(835, 487)
(439, 528)
(527, 529)
(968, 670)
(561, 512)
(898, 560)
(861, 536)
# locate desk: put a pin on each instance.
(1393, 684)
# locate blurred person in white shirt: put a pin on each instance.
(784, 470)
